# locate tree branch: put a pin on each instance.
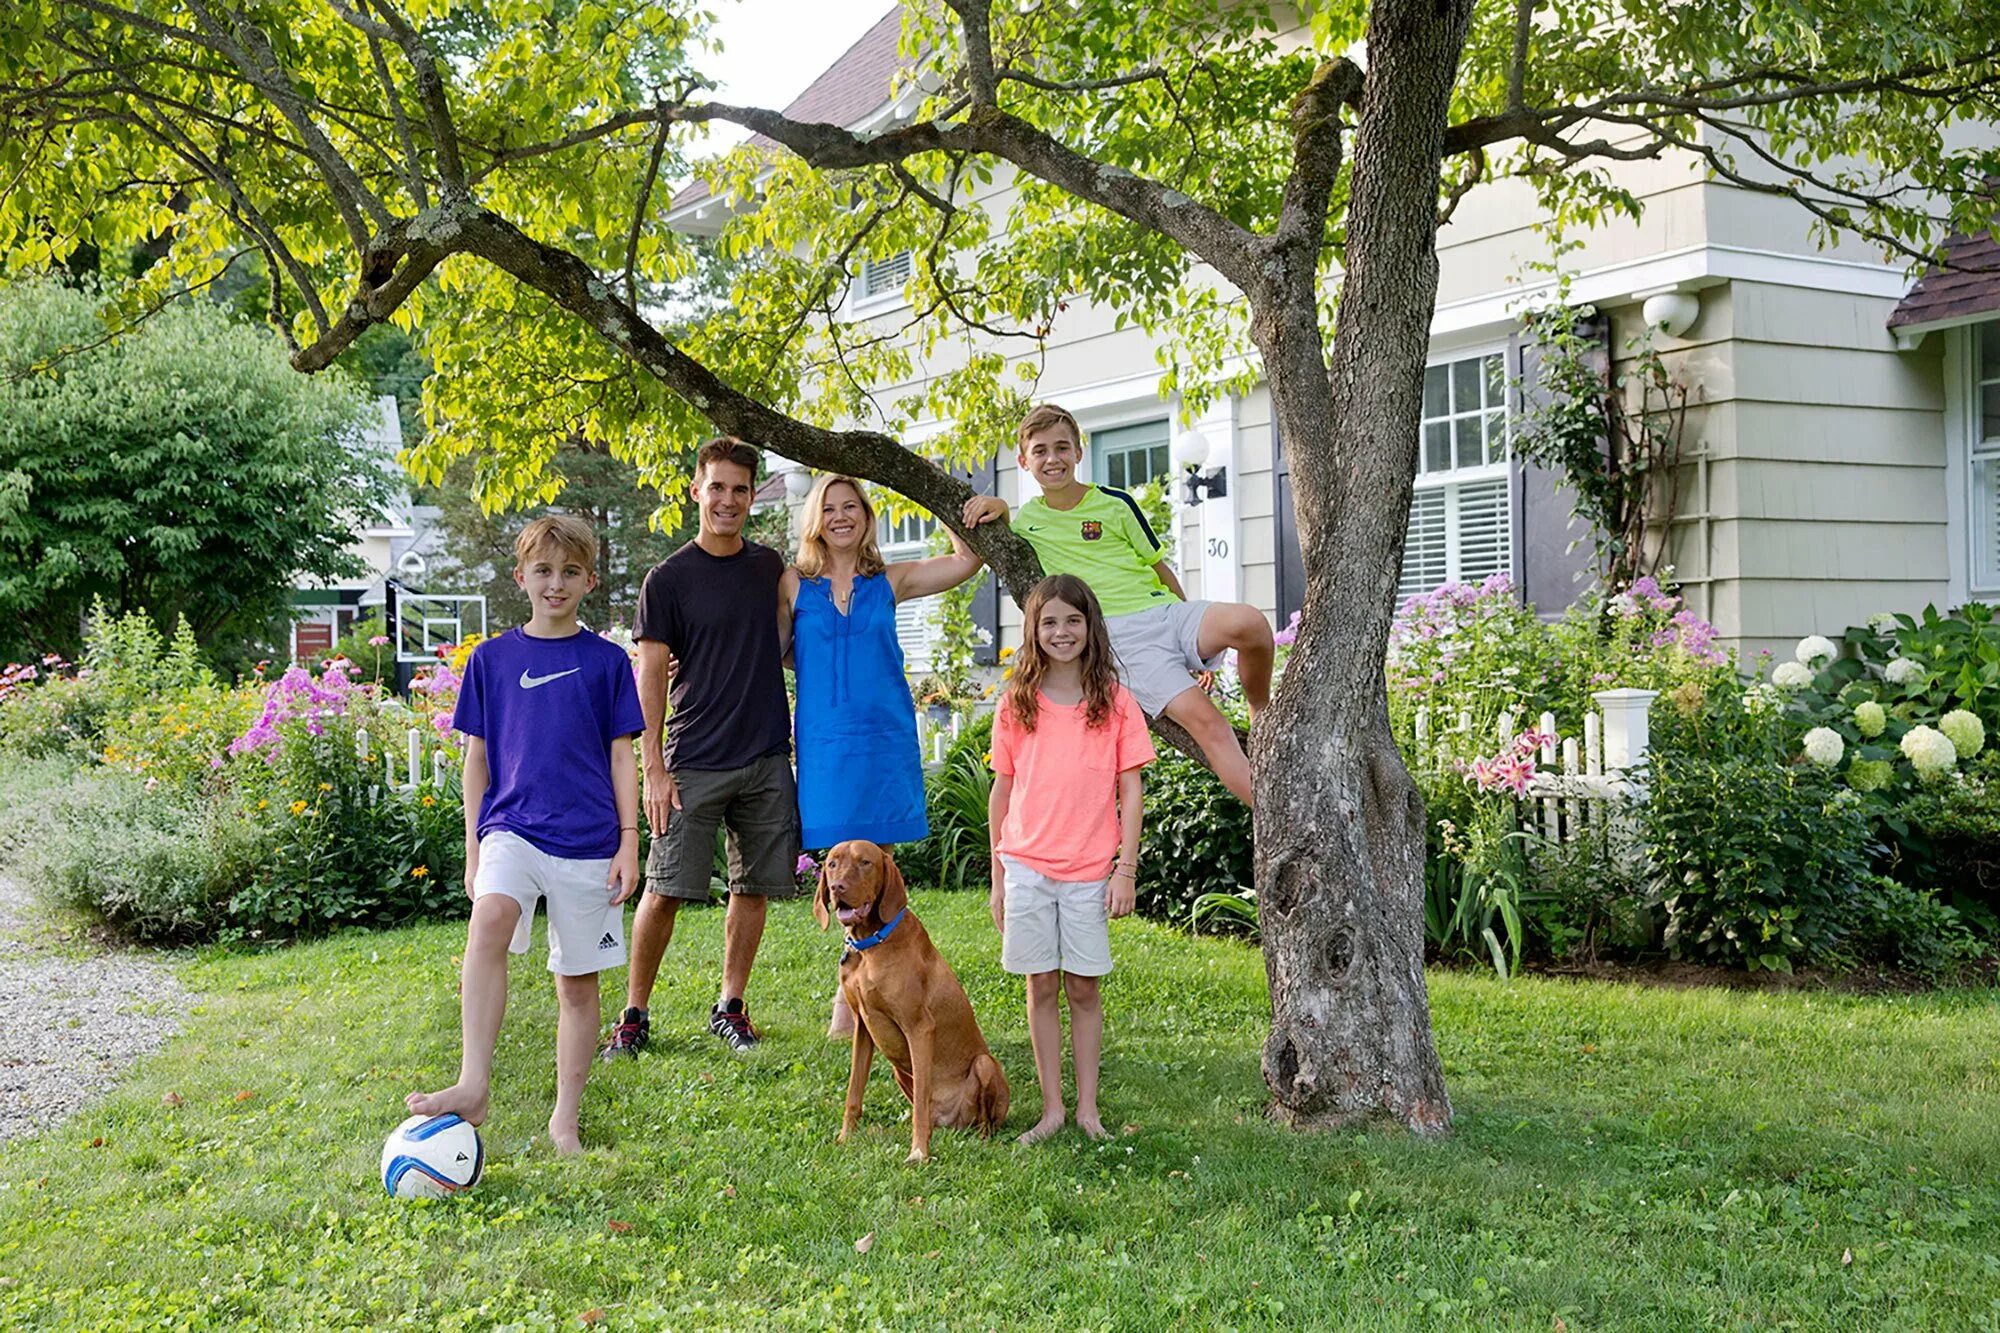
(431, 92)
(1316, 155)
(250, 51)
(1517, 68)
(639, 207)
(975, 20)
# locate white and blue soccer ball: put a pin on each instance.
(431, 1157)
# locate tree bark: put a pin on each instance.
(1340, 825)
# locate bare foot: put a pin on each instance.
(463, 1100)
(1050, 1122)
(564, 1135)
(1090, 1124)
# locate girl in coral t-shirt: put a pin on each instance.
(1068, 744)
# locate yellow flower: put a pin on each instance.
(430, 800)
(1006, 653)
(326, 786)
(262, 804)
(298, 807)
(419, 872)
(987, 757)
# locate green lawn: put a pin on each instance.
(1623, 1158)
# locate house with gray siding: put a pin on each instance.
(1841, 453)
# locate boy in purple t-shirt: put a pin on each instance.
(551, 815)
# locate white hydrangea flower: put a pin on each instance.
(1929, 751)
(1792, 676)
(1824, 746)
(1870, 719)
(1903, 670)
(1964, 730)
(1815, 650)
(1882, 622)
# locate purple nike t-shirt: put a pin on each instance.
(548, 710)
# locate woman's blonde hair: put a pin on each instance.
(1100, 670)
(813, 555)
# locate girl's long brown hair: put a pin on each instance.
(1100, 671)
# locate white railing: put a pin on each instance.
(1580, 782)
(412, 774)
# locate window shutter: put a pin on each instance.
(1483, 538)
(1424, 547)
(913, 622)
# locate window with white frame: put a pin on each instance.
(1461, 521)
(884, 277)
(1984, 456)
(909, 538)
(1128, 456)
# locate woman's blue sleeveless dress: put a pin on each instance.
(860, 772)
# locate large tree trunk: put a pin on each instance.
(1340, 826)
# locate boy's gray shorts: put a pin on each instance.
(758, 804)
(1158, 652)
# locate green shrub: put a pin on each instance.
(1195, 839)
(55, 715)
(372, 664)
(1907, 928)
(142, 862)
(955, 855)
(1948, 834)
(1753, 863)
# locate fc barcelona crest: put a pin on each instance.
(1092, 530)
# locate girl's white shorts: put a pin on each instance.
(1053, 924)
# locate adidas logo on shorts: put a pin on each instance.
(608, 942)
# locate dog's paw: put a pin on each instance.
(917, 1155)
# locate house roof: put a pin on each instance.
(849, 89)
(1967, 287)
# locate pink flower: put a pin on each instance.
(379, 641)
(1290, 633)
(806, 865)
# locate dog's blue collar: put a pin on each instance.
(861, 945)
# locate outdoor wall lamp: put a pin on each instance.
(1671, 312)
(1206, 480)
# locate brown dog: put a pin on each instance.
(906, 1000)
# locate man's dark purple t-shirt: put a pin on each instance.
(549, 710)
(719, 617)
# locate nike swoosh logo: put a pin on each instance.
(529, 682)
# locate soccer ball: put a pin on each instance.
(431, 1156)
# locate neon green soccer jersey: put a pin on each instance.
(1104, 541)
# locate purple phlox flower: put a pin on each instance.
(442, 721)
(806, 865)
(215, 762)
(1645, 587)
(1602, 678)
(1290, 633)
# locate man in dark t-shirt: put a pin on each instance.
(725, 761)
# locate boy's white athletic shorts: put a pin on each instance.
(1158, 650)
(586, 929)
(1053, 925)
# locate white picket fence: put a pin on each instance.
(1579, 783)
(411, 772)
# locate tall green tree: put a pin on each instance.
(478, 544)
(1234, 177)
(182, 468)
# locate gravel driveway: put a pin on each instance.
(69, 1026)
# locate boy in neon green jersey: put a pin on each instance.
(1161, 639)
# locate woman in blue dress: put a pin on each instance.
(860, 771)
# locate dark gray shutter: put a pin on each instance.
(1550, 575)
(1291, 564)
(986, 597)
